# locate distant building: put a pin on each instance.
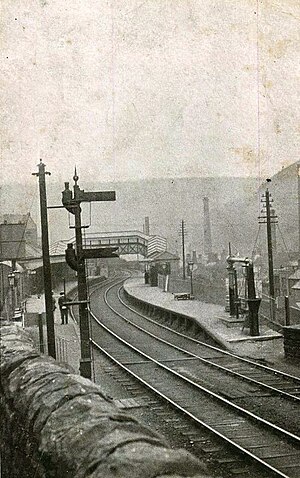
(165, 262)
(293, 280)
(295, 292)
(156, 244)
(30, 235)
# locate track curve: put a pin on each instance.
(154, 362)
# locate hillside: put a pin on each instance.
(284, 191)
(233, 208)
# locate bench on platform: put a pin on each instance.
(183, 296)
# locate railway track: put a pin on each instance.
(274, 381)
(145, 350)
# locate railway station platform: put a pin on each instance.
(213, 319)
(67, 336)
(268, 347)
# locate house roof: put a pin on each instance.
(18, 219)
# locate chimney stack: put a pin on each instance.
(207, 228)
(147, 226)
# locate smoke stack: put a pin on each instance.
(147, 226)
(207, 228)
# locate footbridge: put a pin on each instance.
(128, 243)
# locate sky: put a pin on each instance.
(135, 89)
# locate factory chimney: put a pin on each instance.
(207, 228)
(147, 226)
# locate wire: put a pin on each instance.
(255, 242)
(27, 218)
(112, 7)
(284, 243)
(258, 137)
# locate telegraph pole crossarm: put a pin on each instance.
(46, 259)
(76, 260)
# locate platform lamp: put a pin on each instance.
(16, 284)
(190, 268)
(11, 282)
(32, 282)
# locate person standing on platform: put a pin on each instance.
(63, 308)
(53, 302)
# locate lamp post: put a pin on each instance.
(11, 281)
(16, 285)
(191, 266)
(30, 282)
(33, 283)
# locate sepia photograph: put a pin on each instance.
(150, 239)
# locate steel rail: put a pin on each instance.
(94, 287)
(206, 361)
(237, 407)
(224, 352)
(209, 363)
(229, 404)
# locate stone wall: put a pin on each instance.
(56, 424)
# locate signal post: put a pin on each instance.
(76, 260)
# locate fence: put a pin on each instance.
(204, 290)
(61, 345)
(276, 312)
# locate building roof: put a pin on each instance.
(32, 251)
(18, 219)
(18, 267)
(115, 234)
(164, 256)
(295, 275)
(58, 248)
(296, 286)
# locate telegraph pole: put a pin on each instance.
(183, 247)
(46, 259)
(268, 220)
(270, 256)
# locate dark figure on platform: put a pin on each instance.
(63, 308)
(53, 302)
